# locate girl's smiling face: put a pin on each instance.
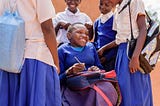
(105, 6)
(78, 36)
(72, 5)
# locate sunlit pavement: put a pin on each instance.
(155, 77)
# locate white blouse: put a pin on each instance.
(122, 22)
(69, 17)
(35, 12)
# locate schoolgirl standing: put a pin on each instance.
(38, 83)
(135, 86)
(104, 34)
(71, 15)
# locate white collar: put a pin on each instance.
(105, 17)
(70, 13)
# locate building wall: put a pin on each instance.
(90, 7)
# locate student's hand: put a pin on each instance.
(100, 52)
(64, 25)
(88, 26)
(134, 64)
(77, 67)
(93, 68)
(58, 70)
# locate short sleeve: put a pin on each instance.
(59, 18)
(88, 20)
(137, 8)
(45, 10)
(2, 6)
(55, 20)
(1, 9)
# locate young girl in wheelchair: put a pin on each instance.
(77, 56)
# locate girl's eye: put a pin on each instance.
(82, 33)
(79, 32)
(73, 0)
(101, 4)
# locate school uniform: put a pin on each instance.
(38, 82)
(69, 17)
(86, 54)
(88, 97)
(104, 35)
(135, 88)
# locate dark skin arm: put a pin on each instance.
(134, 64)
(58, 26)
(103, 49)
(50, 39)
(106, 47)
(61, 25)
(90, 30)
(77, 67)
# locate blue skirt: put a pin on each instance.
(36, 85)
(135, 88)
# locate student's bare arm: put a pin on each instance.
(50, 39)
(106, 47)
(61, 25)
(134, 62)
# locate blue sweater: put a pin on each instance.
(66, 57)
(104, 35)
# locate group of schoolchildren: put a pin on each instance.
(107, 50)
(74, 30)
(84, 46)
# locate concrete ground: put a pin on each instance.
(155, 78)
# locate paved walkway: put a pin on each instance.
(155, 77)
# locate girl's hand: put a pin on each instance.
(88, 25)
(93, 68)
(77, 67)
(64, 25)
(134, 64)
(58, 70)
